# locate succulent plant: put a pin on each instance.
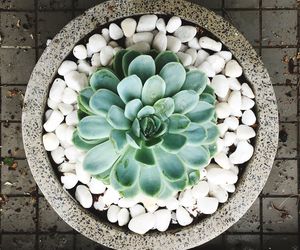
(148, 124)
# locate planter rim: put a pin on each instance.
(249, 184)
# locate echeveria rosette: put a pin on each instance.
(148, 124)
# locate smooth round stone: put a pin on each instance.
(229, 138)
(162, 219)
(112, 213)
(115, 32)
(248, 118)
(201, 57)
(96, 43)
(76, 81)
(242, 154)
(142, 223)
(86, 68)
(194, 44)
(111, 196)
(146, 23)
(105, 34)
(220, 145)
(69, 135)
(52, 104)
(223, 128)
(222, 160)
(223, 110)
(220, 85)
(173, 43)
(234, 83)
(143, 37)
(57, 89)
(83, 176)
(113, 44)
(128, 26)
(48, 113)
(226, 55)
(99, 205)
(185, 33)
(95, 60)
(67, 167)
(160, 42)
(217, 63)
(137, 210)
(193, 53)
(69, 180)
(233, 69)
(207, 205)
(210, 44)
(161, 25)
(230, 188)
(173, 24)
(185, 59)
(54, 120)
(247, 91)
(96, 186)
(83, 196)
(247, 103)
(80, 52)
(106, 55)
(50, 141)
(60, 131)
(236, 112)
(72, 118)
(235, 100)
(207, 69)
(123, 217)
(183, 217)
(232, 122)
(186, 198)
(172, 203)
(219, 176)
(218, 192)
(69, 96)
(245, 132)
(127, 202)
(89, 50)
(142, 47)
(58, 155)
(72, 153)
(66, 67)
(200, 190)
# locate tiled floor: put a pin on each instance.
(28, 222)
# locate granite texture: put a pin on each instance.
(250, 184)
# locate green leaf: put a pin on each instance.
(173, 74)
(209, 90)
(212, 132)
(117, 119)
(136, 128)
(179, 185)
(84, 98)
(102, 100)
(153, 90)
(170, 165)
(118, 139)
(150, 180)
(132, 108)
(130, 88)
(195, 80)
(145, 156)
(81, 114)
(164, 58)
(202, 113)
(131, 192)
(82, 144)
(164, 108)
(162, 130)
(143, 66)
(100, 158)
(185, 101)
(104, 79)
(153, 142)
(178, 123)
(153, 53)
(117, 63)
(166, 191)
(208, 98)
(128, 57)
(194, 177)
(145, 111)
(195, 134)
(104, 177)
(212, 148)
(195, 157)
(133, 140)
(173, 142)
(93, 128)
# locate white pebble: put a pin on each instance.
(226, 55)
(183, 216)
(96, 186)
(69, 180)
(247, 103)
(208, 43)
(99, 204)
(69, 96)
(161, 25)
(113, 44)
(233, 69)
(219, 176)
(193, 53)
(220, 85)
(58, 155)
(54, 120)
(64, 108)
(115, 32)
(242, 154)
(162, 219)
(60, 131)
(96, 43)
(112, 213)
(137, 210)
(52, 104)
(185, 33)
(111, 196)
(160, 42)
(127, 202)
(72, 118)
(172, 203)
(66, 67)
(207, 205)
(201, 57)
(223, 110)
(247, 91)
(123, 217)
(69, 134)
(220, 145)
(105, 34)
(173, 43)
(48, 113)
(143, 37)
(173, 24)
(207, 69)
(235, 100)
(232, 122)
(218, 192)
(106, 55)
(234, 83)
(80, 52)
(230, 188)
(146, 23)
(223, 127)
(76, 81)
(141, 47)
(57, 89)
(95, 61)
(67, 167)
(245, 132)
(248, 118)
(222, 160)
(141, 224)
(194, 44)
(200, 190)
(128, 26)
(85, 67)
(89, 50)
(83, 176)
(217, 63)
(83, 196)
(50, 141)
(185, 59)
(186, 198)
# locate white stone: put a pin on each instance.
(76, 81)
(143, 37)
(115, 32)
(220, 84)
(106, 55)
(83, 176)
(232, 122)
(128, 26)
(72, 118)
(172, 203)
(200, 190)
(127, 202)
(89, 50)
(247, 103)
(223, 127)
(111, 196)
(113, 44)
(60, 131)
(207, 205)
(223, 161)
(69, 135)
(57, 89)
(58, 155)
(226, 55)
(50, 141)
(245, 132)
(96, 186)
(242, 154)
(186, 198)
(137, 210)
(66, 167)
(52, 104)
(185, 59)
(229, 138)
(183, 216)
(105, 34)
(160, 42)
(194, 44)
(72, 153)
(99, 204)
(95, 61)
(220, 145)
(207, 69)
(217, 63)
(129, 42)
(235, 100)
(85, 67)
(247, 91)
(142, 223)
(185, 33)
(141, 47)
(230, 188)
(173, 24)
(193, 53)
(173, 43)
(248, 118)
(69, 96)
(223, 110)
(123, 217)
(234, 83)
(162, 219)
(83, 196)
(64, 108)
(66, 67)
(218, 192)
(80, 52)
(236, 112)
(219, 176)
(161, 25)
(112, 213)
(96, 43)
(146, 23)
(233, 69)
(48, 113)
(69, 180)
(54, 120)
(210, 44)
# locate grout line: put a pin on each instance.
(0, 148)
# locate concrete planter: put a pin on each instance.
(250, 183)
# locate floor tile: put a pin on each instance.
(280, 215)
(214, 244)
(287, 145)
(242, 242)
(211, 4)
(17, 4)
(18, 241)
(85, 4)
(56, 241)
(83, 243)
(279, 3)
(280, 242)
(241, 4)
(54, 4)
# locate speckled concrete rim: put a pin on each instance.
(250, 184)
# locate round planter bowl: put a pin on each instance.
(250, 183)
